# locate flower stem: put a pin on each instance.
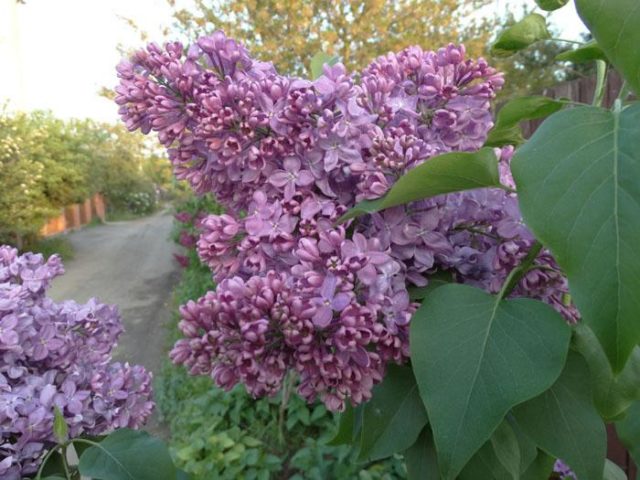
(45, 460)
(601, 81)
(286, 392)
(518, 272)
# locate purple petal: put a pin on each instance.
(328, 286)
(279, 178)
(322, 317)
(291, 164)
(340, 301)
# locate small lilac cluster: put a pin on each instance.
(57, 355)
(286, 157)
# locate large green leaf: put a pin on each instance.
(506, 448)
(446, 173)
(614, 24)
(485, 464)
(612, 394)
(520, 35)
(587, 53)
(628, 430)
(502, 457)
(540, 468)
(421, 459)
(394, 417)
(578, 182)
(128, 455)
(346, 425)
(564, 422)
(550, 5)
(507, 131)
(474, 358)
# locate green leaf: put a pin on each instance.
(507, 130)
(421, 459)
(613, 471)
(579, 192)
(55, 477)
(60, 428)
(128, 455)
(587, 53)
(394, 417)
(54, 466)
(446, 173)
(564, 422)
(527, 31)
(484, 464)
(628, 430)
(436, 280)
(475, 358)
(614, 25)
(550, 5)
(612, 394)
(346, 425)
(318, 61)
(540, 468)
(506, 448)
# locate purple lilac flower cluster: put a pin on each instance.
(286, 157)
(57, 355)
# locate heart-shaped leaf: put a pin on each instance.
(612, 394)
(587, 53)
(474, 358)
(394, 417)
(614, 24)
(446, 173)
(628, 430)
(578, 181)
(527, 31)
(128, 455)
(506, 448)
(318, 61)
(349, 426)
(550, 5)
(540, 468)
(421, 459)
(564, 422)
(485, 464)
(506, 130)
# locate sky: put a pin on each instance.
(57, 54)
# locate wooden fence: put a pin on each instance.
(75, 216)
(582, 90)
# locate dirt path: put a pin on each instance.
(129, 264)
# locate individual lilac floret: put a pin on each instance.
(57, 355)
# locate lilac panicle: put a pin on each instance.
(287, 157)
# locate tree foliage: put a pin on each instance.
(290, 32)
(47, 163)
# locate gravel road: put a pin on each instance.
(129, 264)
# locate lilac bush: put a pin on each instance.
(287, 157)
(58, 355)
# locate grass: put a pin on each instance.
(59, 244)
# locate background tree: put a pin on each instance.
(290, 32)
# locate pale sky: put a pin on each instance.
(56, 54)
